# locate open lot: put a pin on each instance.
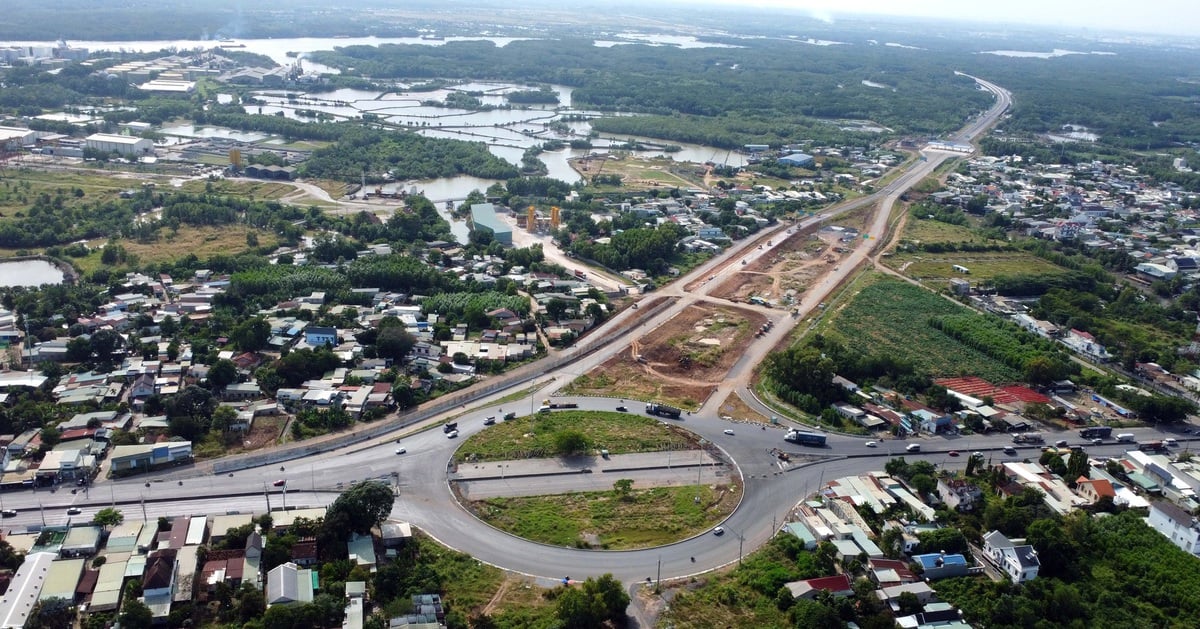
(880, 315)
(641, 173)
(610, 519)
(938, 268)
(680, 362)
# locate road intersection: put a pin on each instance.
(421, 474)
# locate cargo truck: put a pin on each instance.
(805, 438)
(1027, 437)
(662, 410)
(1096, 432)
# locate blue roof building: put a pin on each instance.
(941, 565)
(483, 216)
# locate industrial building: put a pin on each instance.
(125, 145)
(13, 138)
(483, 216)
(800, 160)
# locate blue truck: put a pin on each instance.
(805, 438)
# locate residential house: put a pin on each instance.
(959, 494)
(838, 585)
(318, 336)
(940, 565)
(289, 583)
(1175, 524)
(1094, 490)
(1019, 562)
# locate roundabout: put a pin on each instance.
(595, 480)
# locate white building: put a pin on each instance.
(126, 145)
(289, 583)
(1175, 524)
(1020, 563)
(24, 590)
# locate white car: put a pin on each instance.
(401, 450)
(453, 434)
(719, 531)
(729, 431)
(871, 444)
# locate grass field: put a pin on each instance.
(938, 268)
(19, 188)
(927, 231)
(202, 241)
(886, 316)
(533, 436)
(253, 189)
(642, 519)
(624, 378)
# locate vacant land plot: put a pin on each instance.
(621, 376)
(925, 231)
(202, 241)
(241, 188)
(734, 407)
(610, 519)
(639, 173)
(887, 316)
(534, 436)
(783, 273)
(938, 268)
(21, 188)
(680, 362)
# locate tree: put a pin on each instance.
(223, 418)
(52, 613)
(358, 509)
(623, 487)
(909, 604)
(251, 335)
(923, 483)
(222, 374)
(136, 615)
(569, 442)
(394, 342)
(108, 517)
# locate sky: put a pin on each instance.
(1175, 17)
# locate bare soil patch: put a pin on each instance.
(681, 361)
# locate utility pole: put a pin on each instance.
(267, 494)
(658, 578)
(144, 518)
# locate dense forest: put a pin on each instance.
(405, 155)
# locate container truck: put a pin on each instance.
(805, 438)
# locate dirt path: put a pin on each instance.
(505, 586)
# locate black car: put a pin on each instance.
(622, 409)
(8, 513)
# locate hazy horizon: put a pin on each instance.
(1167, 17)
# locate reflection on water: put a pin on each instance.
(29, 273)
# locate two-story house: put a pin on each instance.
(1020, 563)
(1175, 524)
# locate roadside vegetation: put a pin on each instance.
(571, 433)
(621, 519)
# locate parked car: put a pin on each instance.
(912, 447)
(1170, 442)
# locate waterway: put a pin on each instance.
(31, 272)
